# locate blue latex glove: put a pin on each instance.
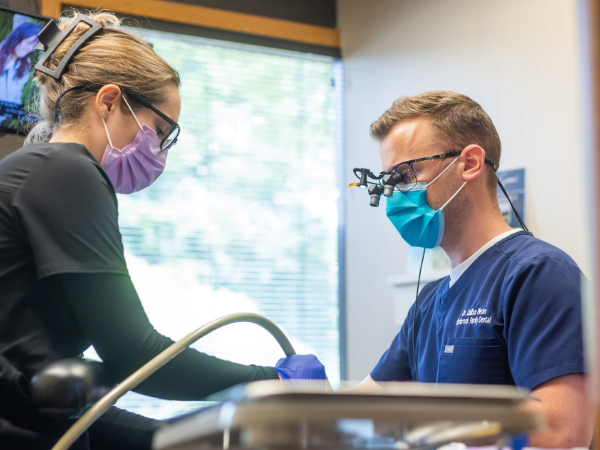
(306, 367)
(518, 442)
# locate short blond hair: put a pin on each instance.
(458, 120)
(113, 56)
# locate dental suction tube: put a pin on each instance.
(160, 360)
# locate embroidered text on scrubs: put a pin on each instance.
(474, 316)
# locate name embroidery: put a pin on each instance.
(474, 316)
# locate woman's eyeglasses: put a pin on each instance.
(171, 134)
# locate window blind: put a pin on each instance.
(245, 216)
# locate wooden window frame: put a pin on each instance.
(206, 17)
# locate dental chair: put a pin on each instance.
(66, 389)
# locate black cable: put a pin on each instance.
(414, 341)
(56, 108)
(513, 207)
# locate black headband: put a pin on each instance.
(51, 37)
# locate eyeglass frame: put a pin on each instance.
(362, 174)
(410, 162)
(145, 102)
(138, 98)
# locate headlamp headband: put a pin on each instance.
(51, 37)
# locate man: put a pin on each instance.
(510, 311)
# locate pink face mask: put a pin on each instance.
(138, 164)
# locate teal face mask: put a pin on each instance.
(418, 224)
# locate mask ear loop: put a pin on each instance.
(442, 172)
(132, 113)
(431, 182)
(107, 135)
(452, 198)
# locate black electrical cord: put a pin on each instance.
(414, 339)
(513, 207)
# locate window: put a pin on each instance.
(245, 217)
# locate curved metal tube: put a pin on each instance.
(160, 360)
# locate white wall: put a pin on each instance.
(519, 60)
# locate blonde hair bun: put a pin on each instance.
(113, 56)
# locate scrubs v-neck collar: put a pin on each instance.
(457, 271)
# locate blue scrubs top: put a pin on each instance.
(513, 317)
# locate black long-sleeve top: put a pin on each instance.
(64, 283)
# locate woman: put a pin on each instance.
(109, 122)
(15, 63)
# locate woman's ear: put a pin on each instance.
(473, 158)
(107, 99)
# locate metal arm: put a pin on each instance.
(160, 360)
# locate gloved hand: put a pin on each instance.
(300, 367)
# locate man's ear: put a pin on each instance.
(107, 99)
(473, 159)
